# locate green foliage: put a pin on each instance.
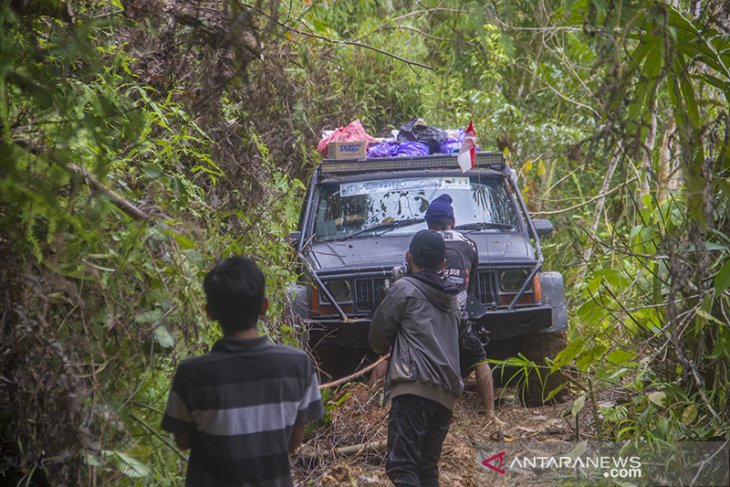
(110, 299)
(330, 405)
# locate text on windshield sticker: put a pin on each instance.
(386, 185)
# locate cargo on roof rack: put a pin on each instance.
(485, 160)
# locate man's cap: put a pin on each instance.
(428, 248)
(440, 209)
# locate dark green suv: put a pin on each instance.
(355, 227)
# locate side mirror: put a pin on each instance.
(544, 228)
(294, 238)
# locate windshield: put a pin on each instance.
(398, 206)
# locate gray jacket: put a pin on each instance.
(421, 323)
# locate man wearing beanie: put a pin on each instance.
(440, 209)
(419, 321)
(462, 260)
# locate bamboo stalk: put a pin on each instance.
(649, 142)
(122, 203)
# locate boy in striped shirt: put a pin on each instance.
(241, 409)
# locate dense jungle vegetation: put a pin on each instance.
(144, 139)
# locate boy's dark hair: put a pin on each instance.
(235, 289)
(441, 224)
(427, 249)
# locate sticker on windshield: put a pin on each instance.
(386, 185)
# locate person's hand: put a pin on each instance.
(377, 376)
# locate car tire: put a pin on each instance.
(335, 362)
(540, 383)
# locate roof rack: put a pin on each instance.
(485, 160)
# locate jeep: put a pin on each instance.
(355, 227)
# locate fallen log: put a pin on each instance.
(355, 375)
(309, 453)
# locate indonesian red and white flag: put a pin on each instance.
(468, 152)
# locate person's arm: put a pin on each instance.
(310, 406)
(485, 386)
(385, 321)
(297, 436)
(472, 289)
(177, 419)
(183, 440)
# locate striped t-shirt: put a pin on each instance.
(240, 403)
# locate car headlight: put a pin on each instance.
(341, 290)
(512, 281)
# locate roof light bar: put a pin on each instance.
(485, 160)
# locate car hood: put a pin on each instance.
(359, 253)
(502, 247)
(388, 251)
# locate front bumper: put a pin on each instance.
(501, 324)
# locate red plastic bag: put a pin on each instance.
(354, 132)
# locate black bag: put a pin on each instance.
(416, 130)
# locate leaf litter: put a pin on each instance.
(361, 421)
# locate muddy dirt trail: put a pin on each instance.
(350, 451)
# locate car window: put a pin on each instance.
(399, 205)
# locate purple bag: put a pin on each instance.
(384, 149)
(411, 149)
(390, 148)
(451, 144)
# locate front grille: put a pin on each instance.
(368, 293)
(486, 288)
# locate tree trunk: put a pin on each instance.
(667, 176)
(588, 252)
(646, 167)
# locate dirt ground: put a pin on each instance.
(360, 420)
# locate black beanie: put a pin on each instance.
(428, 249)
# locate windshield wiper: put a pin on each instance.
(484, 226)
(386, 227)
